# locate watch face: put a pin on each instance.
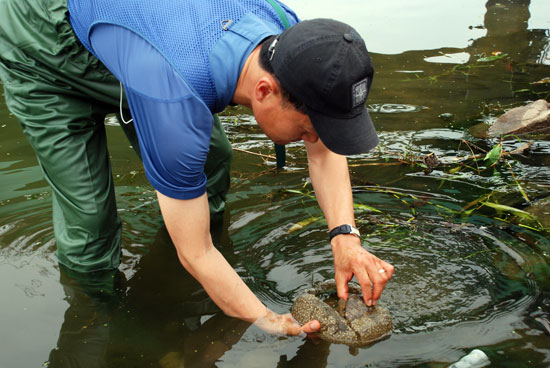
(346, 229)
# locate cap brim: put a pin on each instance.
(349, 136)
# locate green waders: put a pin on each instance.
(60, 94)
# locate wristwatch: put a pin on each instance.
(344, 229)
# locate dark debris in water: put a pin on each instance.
(431, 161)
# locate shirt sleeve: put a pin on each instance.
(173, 124)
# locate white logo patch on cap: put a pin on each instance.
(359, 92)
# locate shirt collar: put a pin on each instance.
(229, 54)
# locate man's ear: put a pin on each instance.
(266, 87)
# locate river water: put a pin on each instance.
(467, 275)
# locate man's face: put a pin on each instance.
(284, 124)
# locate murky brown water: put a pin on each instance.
(462, 281)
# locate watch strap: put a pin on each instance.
(344, 229)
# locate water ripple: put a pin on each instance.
(389, 108)
(446, 274)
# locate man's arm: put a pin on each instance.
(188, 222)
(330, 178)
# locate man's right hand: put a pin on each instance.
(188, 224)
(285, 324)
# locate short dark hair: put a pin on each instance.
(265, 63)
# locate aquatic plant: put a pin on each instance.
(478, 162)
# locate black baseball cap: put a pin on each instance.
(325, 64)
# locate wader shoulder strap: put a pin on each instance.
(280, 12)
(280, 152)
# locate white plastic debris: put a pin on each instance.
(476, 359)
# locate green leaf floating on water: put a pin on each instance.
(300, 225)
(542, 81)
(454, 170)
(364, 207)
(295, 191)
(493, 155)
(512, 210)
(492, 58)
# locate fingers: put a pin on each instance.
(342, 285)
(366, 286)
(381, 280)
(292, 328)
(311, 327)
(373, 277)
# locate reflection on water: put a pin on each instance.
(395, 26)
(462, 281)
(454, 58)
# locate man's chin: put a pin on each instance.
(281, 143)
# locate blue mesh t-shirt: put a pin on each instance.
(179, 62)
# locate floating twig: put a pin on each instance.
(255, 154)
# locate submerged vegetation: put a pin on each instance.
(493, 204)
